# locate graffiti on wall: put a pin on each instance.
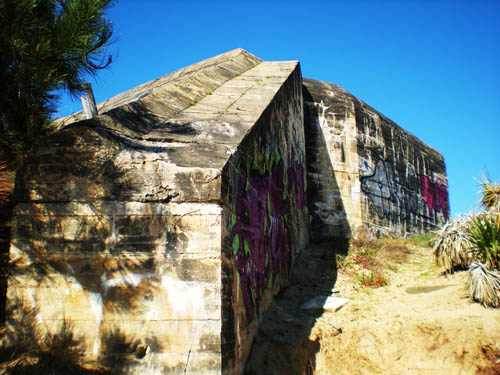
(260, 232)
(394, 200)
(435, 195)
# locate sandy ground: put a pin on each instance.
(422, 322)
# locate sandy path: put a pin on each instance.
(421, 323)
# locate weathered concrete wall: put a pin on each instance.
(332, 162)
(162, 229)
(379, 178)
(121, 213)
(404, 186)
(120, 219)
(265, 218)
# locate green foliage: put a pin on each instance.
(490, 194)
(46, 46)
(371, 279)
(483, 233)
(424, 240)
(343, 262)
(368, 259)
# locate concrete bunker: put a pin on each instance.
(172, 219)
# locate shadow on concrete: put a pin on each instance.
(120, 353)
(284, 344)
(328, 216)
(82, 259)
(28, 349)
(5, 227)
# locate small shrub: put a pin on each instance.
(371, 279)
(451, 245)
(425, 240)
(490, 194)
(483, 234)
(484, 285)
(343, 262)
(365, 261)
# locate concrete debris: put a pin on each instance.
(325, 303)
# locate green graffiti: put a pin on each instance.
(236, 243)
(248, 168)
(270, 281)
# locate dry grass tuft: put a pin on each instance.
(492, 353)
(484, 285)
(452, 246)
(371, 279)
(368, 259)
(490, 194)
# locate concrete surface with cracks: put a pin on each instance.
(172, 219)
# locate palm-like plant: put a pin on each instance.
(490, 193)
(475, 238)
(484, 285)
(46, 46)
(483, 234)
(452, 246)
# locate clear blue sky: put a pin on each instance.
(433, 67)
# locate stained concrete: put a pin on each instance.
(127, 214)
(367, 175)
(168, 223)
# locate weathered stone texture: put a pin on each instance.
(138, 109)
(379, 178)
(331, 159)
(118, 226)
(162, 229)
(120, 219)
(265, 220)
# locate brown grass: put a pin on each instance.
(372, 279)
(452, 246)
(368, 259)
(493, 355)
(484, 285)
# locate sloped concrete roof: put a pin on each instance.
(169, 129)
(172, 93)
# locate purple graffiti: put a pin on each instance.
(435, 195)
(296, 179)
(260, 235)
